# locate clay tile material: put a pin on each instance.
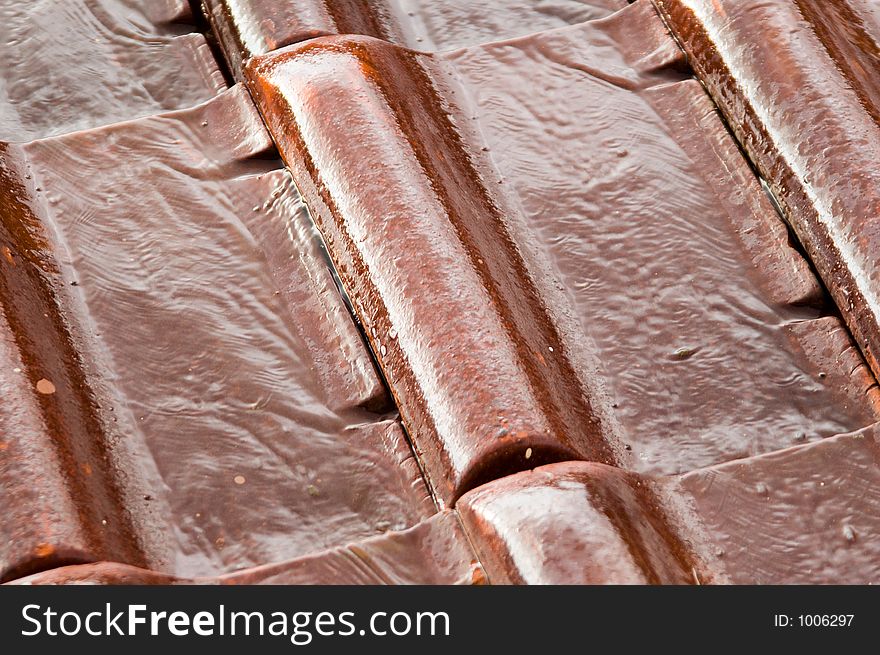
(805, 515)
(434, 551)
(186, 390)
(802, 515)
(557, 251)
(574, 523)
(798, 82)
(75, 64)
(254, 27)
(40, 524)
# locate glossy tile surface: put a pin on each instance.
(557, 251)
(797, 80)
(75, 64)
(802, 515)
(254, 27)
(194, 395)
(434, 551)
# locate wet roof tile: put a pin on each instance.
(254, 27)
(797, 81)
(580, 266)
(434, 551)
(77, 64)
(802, 515)
(162, 276)
(605, 347)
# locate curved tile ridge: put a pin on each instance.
(57, 488)
(438, 282)
(433, 552)
(802, 515)
(557, 251)
(195, 397)
(70, 65)
(574, 523)
(254, 27)
(797, 80)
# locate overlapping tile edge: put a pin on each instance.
(55, 521)
(323, 181)
(803, 515)
(800, 98)
(246, 28)
(378, 345)
(433, 551)
(104, 497)
(100, 63)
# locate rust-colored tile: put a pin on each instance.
(254, 27)
(802, 515)
(40, 522)
(574, 523)
(806, 515)
(213, 406)
(837, 367)
(557, 251)
(434, 551)
(75, 64)
(797, 80)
